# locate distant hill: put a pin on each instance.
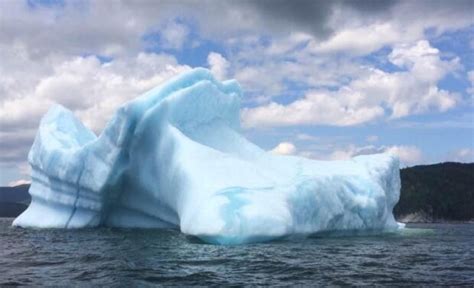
(14, 200)
(438, 192)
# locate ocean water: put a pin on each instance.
(428, 254)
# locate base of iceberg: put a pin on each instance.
(174, 158)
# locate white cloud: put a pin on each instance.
(401, 24)
(284, 148)
(91, 89)
(360, 40)
(95, 27)
(374, 94)
(464, 155)
(85, 85)
(116, 27)
(315, 108)
(174, 35)
(19, 182)
(261, 80)
(219, 65)
(408, 155)
(272, 68)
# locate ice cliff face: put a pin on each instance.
(174, 158)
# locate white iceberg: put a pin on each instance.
(174, 158)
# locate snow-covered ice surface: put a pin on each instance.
(174, 158)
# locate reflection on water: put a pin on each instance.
(435, 254)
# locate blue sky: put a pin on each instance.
(322, 79)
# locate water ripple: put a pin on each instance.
(423, 255)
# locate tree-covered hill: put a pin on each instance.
(14, 200)
(436, 192)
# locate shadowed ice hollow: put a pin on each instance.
(174, 157)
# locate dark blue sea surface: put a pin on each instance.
(426, 254)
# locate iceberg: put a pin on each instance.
(174, 158)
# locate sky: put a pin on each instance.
(321, 79)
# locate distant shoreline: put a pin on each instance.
(422, 217)
(439, 222)
(450, 222)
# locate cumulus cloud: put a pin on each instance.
(284, 148)
(401, 24)
(219, 65)
(360, 40)
(375, 94)
(306, 59)
(315, 108)
(174, 35)
(87, 86)
(19, 182)
(116, 27)
(72, 28)
(408, 155)
(92, 89)
(465, 155)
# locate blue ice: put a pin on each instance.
(174, 157)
